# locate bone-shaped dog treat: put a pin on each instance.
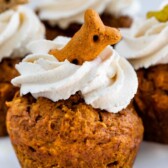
(89, 41)
(6, 4)
(161, 15)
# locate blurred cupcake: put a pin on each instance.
(145, 45)
(18, 27)
(70, 115)
(65, 17)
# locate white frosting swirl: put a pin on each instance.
(108, 82)
(64, 12)
(18, 27)
(145, 43)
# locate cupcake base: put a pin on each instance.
(70, 133)
(7, 90)
(151, 102)
(108, 19)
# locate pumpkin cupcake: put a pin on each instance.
(74, 107)
(18, 27)
(145, 45)
(66, 17)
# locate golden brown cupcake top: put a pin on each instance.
(6, 4)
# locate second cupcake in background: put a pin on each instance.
(18, 27)
(64, 17)
(145, 45)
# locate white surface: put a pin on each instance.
(150, 155)
(7, 155)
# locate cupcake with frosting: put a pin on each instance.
(66, 17)
(74, 107)
(18, 27)
(145, 45)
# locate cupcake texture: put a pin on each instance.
(7, 4)
(145, 45)
(70, 133)
(18, 27)
(65, 17)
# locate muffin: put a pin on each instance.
(145, 45)
(69, 115)
(18, 27)
(65, 17)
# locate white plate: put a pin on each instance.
(150, 155)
